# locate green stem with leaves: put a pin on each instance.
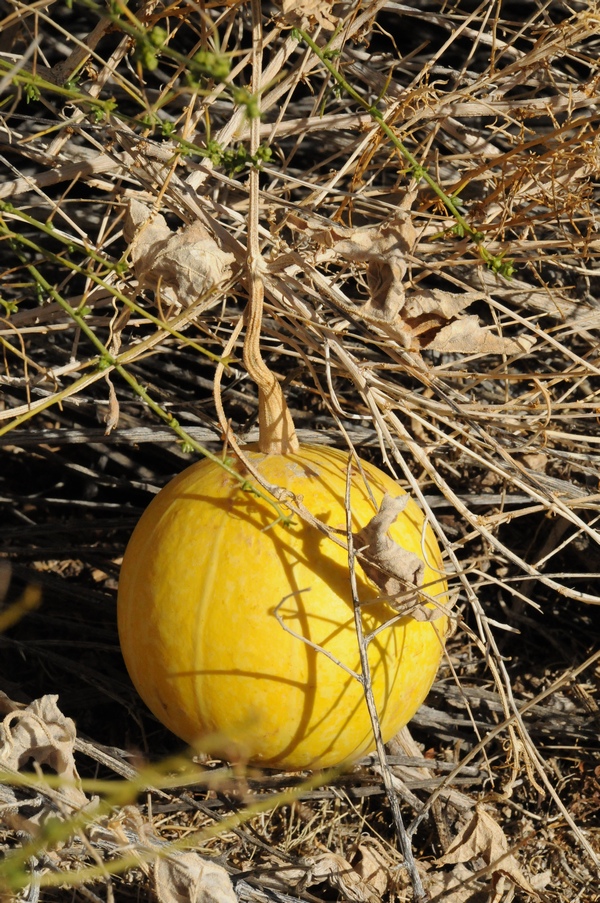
(107, 361)
(14, 872)
(497, 263)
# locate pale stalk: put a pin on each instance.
(276, 427)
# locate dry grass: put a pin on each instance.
(498, 440)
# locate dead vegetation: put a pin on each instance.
(429, 231)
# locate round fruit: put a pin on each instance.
(215, 600)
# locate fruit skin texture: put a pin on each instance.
(201, 580)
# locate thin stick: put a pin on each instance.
(386, 774)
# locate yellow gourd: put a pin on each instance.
(214, 601)
(239, 632)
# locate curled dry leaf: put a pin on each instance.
(457, 886)
(339, 873)
(41, 732)
(395, 571)
(183, 266)
(278, 874)
(180, 876)
(467, 336)
(482, 837)
(384, 249)
(390, 567)
(184, 877)
(427, 319)
(374, 867)
(309, 13)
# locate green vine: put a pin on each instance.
(496, 263)
(174, 773)
(106, 361)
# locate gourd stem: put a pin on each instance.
(277, 435)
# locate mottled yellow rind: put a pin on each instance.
(201, 581)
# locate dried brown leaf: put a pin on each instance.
(308, 13)
(483, 837)
(179, 876)
(456, 886)
(41, 732)
(436, 303)
(383, 248)
(393, 238)
(340, 874)
(433, 319)
(374, 867)
(185, 877)
(395, 571)
(466, 336)
(183, 266)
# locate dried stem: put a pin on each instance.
(277, 433)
